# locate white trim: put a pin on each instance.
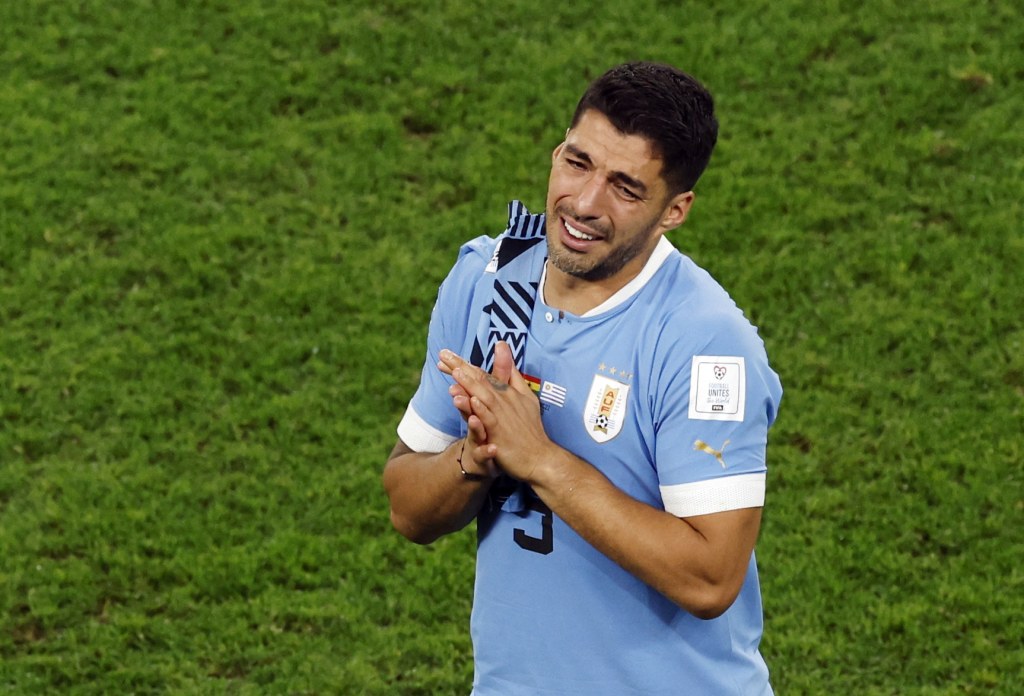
(658, 256)
(662, 250)
(420, 436)
(714, 495)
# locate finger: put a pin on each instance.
(483, 413)
(484, 456)
(467, 378)
(449, 361)
(518, 382)
(462, 404)
(504, 362)
(476, 428)
(505, 369)
(480, 453)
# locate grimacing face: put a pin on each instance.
(607, 203)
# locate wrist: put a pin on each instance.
(467, 474)
(552, 468)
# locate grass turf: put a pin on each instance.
(221, 230)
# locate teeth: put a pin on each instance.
(577, 234)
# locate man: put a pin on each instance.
(608, 430)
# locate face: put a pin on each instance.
(607, 203)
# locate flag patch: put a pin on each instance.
(534, 382)
(554, 394)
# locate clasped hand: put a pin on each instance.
(502, 413)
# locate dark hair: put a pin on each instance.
(665, 105)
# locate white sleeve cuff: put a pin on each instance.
(714, 495)
(420, 436)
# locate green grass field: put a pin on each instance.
(222, 226)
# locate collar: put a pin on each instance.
(662, 251)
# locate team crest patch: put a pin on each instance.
(606, 408)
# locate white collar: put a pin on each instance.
(662, 250)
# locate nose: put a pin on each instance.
(588, 198)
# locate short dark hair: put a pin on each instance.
(665, 105)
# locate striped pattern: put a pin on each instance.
(514, 295)
(552, 393)
(522, 225)
(534, 382)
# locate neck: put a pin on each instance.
(578, 296)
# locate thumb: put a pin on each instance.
(518, 382)
(504, 363)
(505, 369)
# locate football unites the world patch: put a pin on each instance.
(717, 387)
(605, 408)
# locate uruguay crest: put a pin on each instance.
(606, 408)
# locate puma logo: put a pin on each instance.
(702, 446)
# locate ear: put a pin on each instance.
(676, 210)
(557, 151)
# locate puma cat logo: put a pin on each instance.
(702, 446)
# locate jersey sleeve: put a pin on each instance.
(716, 401)
(431, 422)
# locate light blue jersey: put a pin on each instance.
(666, 389)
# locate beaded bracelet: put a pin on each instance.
(466, 476)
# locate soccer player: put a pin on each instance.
(600, 406)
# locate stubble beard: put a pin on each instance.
(587, 268)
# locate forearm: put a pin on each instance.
(699, 562)
(668, 553)
(429, 495)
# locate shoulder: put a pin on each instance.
(469, 267)
(699, 338)
(485, 256)
(689, 307)
(692, 316)
(475, 254)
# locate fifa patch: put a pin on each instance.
(718, 387)
(606, 408)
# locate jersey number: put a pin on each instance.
(545, 543)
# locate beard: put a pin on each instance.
(586, 267)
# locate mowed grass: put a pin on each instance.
(222, 226)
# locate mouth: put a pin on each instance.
(577, 237)
(577, 233)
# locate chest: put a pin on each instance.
(594, 391)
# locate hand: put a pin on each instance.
(504, 364)
(507, 411)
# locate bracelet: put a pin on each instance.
(466, 476)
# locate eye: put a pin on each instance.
(575, 163)
(628, 194)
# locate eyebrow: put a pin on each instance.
(617, 176)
